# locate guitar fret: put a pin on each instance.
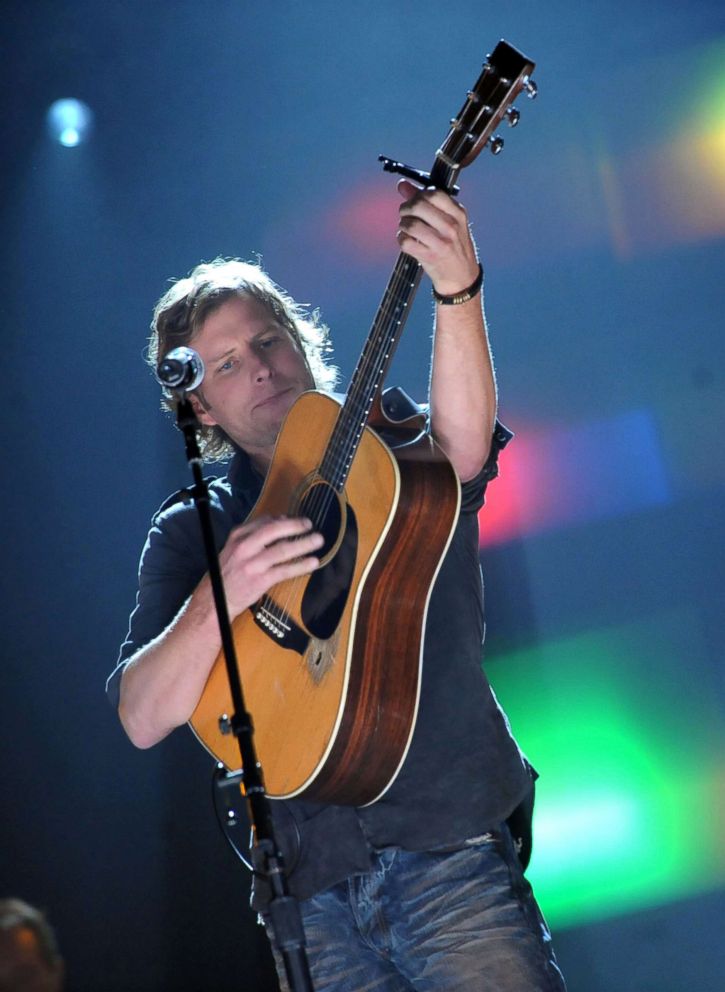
(505, 71)
(370, 372)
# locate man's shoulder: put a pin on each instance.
(181, 503)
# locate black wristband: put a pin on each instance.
(465, 295)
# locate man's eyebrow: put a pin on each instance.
(273, 325)
(217, 358)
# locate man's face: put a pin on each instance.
(254, 373)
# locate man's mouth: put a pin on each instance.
(271, 400)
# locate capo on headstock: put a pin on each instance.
(417, 175)
(506, 73)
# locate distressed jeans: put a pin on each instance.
(440, 921)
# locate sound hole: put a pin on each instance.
(321, 504)
(327, 590)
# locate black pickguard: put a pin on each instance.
(328, 588)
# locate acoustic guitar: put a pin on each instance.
(331, 662)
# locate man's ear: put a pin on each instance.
(201, 411)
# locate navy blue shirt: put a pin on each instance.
(464, 773)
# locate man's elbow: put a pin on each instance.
(468, 463)
(467, 455)
(140, 731)
(141, 736)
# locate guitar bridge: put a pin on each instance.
(280, 626)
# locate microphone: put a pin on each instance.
(182, 368)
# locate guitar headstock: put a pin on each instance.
(506, 73)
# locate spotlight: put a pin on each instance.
(69, 122)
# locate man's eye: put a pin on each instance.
(268, 342)
(225, 366)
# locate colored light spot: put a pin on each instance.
(672, 190)
(364, 223)
(69, 137)
(69, 122)
(600, 469)
(630, 759)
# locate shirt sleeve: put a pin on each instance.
(473, 492)
(170, 568)
(399, 406)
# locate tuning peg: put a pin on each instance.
(512, 117)
(496, 144)
(531, 88)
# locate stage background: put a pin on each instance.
(232, 128)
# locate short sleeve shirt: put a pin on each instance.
(464, 773)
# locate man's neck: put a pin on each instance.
(260, 461)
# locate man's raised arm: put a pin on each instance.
(434, 230)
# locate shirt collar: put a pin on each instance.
(244, 478)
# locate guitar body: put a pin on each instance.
(334, 709)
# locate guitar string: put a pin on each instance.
(348, 426)
(405, 262)
(342, 440)
(351, 420)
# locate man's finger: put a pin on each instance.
(291, 548)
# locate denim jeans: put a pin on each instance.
(440, 921)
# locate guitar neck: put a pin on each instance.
(369, 375)
(506, 73)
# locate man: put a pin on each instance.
(29, 957)
(423, 889)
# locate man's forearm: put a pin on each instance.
(463, 386)
(434, 230)
(164, 680)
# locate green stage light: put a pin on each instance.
(626, 737)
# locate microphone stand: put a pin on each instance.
(284, 910)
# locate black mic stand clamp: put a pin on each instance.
(266, 857)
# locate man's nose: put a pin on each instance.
(261, 368)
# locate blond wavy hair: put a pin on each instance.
(182, 310)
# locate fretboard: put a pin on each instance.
(369, 374)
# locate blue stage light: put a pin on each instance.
(69, 122)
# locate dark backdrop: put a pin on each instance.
(236, 128)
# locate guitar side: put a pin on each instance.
(381, 705)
